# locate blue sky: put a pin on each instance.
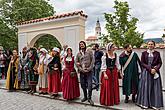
(149, 12)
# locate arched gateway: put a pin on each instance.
(68, 28)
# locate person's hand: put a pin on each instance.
(20, 67)
(105, 76)
(55, 68)
(120, 73)
(153, 71)
(85, 70)
(48, 69)
(35, 72)
(78, 64)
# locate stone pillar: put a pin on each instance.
(72, 36)
(22, 41)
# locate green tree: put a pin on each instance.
(121, 27)
(7, 38)
(105, 39)
(48, 41)
(13, 11)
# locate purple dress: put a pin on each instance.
(150, 88)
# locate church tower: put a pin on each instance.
(97, 29)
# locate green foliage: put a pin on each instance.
(48, 41)
(13, 11)
(163, 36)
(7, 36)
(121, 27)
(104, 40)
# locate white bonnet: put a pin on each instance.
(56, 49)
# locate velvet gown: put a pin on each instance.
(70, 85)
(54, 76)
(150, 88)
(109, 94)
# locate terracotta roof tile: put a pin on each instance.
(53, 17)
(89, 38)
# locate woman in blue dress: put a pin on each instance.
(150, 85)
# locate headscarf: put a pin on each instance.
(56, 49)
(43, 50)
(69, 48)
(109, 46)
(67, 51)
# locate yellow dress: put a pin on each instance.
(16, 85)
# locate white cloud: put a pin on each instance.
(149, 12)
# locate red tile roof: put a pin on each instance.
(91, 38)
(53, 17)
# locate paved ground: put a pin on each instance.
(22, 101)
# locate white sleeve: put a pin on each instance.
(63, 64)
(117, 63)
(49, 58)
(103, 65)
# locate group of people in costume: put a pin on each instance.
(141, 78)
(55, 73)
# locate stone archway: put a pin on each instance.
(69, 28)
(46, 40)
(35, 38)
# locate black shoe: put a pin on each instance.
(69, 100)
(40, 93)
(133, 99)
(29, 91)
(44, 93)
(32, 92)
(55, 95)
(96, 87)
(91, 102)
(10, 90)
(84, 99)
(126, 99)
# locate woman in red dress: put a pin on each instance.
(70, 85)
(109, 94)
(54, 77)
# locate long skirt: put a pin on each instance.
(23, 79)
(54, 82)
(150, 91)
(109, 94)
(70, 85)
(33, 78)
(43, 81)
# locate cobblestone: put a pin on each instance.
(22, 101)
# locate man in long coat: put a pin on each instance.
(129, 65)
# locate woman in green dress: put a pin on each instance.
(31, 69)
